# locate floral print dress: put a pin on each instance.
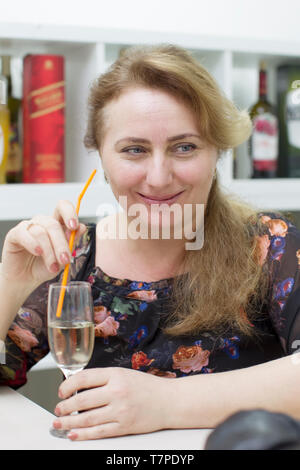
(129, 316)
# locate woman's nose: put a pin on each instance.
(159, 171)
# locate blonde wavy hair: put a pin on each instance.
(224, 283)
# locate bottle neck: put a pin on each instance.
(263, 85)
(6, 71)
(9, 86)
(3, 92)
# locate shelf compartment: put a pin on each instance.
(268, 194)
(23, 201)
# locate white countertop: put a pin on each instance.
(24, 425)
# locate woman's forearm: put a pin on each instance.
(12, 297)
(203, 401)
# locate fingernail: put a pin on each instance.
(57, 411)
(57, 424)
(73, 224)
(68, 233)
(64, 258)
(54, 267)
(72, 435)
(38, 250)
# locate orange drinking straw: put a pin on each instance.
(71, 242)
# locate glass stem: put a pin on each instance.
(68, 373)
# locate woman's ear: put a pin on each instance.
(104, 175)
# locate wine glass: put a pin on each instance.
(71, 335)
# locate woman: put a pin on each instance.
(220, 318)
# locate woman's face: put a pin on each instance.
(152, 151)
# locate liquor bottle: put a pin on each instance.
(14, 159)
(43, 119)
(264, 138)
(4, 129)
(288, 88)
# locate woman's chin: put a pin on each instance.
(162, 228)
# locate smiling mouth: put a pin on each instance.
(157, 199)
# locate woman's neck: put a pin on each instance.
(163, 256)
(146, 259)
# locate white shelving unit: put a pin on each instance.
(88, 52)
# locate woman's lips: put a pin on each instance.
(163, 200)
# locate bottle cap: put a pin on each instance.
(6, 65)
(3, 91)
(263, 65)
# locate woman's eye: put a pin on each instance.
(185, 148)
(134, 150)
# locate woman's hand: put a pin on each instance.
(115, 401)
(36, 250)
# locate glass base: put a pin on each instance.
(63, 433)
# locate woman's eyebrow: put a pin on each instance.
(146, 141)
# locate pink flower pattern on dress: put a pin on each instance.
(277, 227)
(190, 358)
(23, 338)
(100, 314)
(148, 295)
(109, 327)
(262, 248)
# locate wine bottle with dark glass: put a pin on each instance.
(264, 138)
(288, 100)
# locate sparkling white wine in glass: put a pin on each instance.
(71, 344)
(71, 335)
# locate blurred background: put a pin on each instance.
(51, 52)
